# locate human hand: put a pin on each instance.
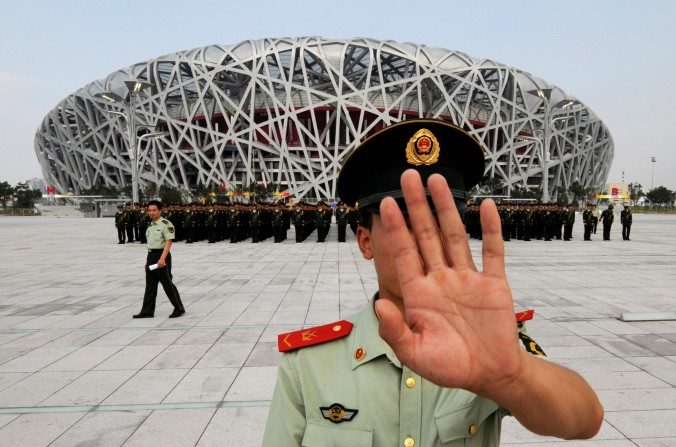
(456, 327)
(161, 263)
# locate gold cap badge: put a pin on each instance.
(423, 148)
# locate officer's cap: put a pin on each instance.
(373, 169)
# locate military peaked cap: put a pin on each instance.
(373, 169)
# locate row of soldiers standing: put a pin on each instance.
(240, 221)
(131, 222)
(527, 221)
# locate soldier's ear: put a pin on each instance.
(364, 242)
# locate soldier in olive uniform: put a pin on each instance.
(341, 220)
(129, 221)
(120, 224)
(435, 358)
(160, 236)
(588, 221)
(625, 220)
(607, 218)
(568, 222)
(143, 222)
(323, 221)
(505, 212)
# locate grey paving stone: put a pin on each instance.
(107, 429)
(83, 359)
(644, 424)
(178, 357)
(35, 359)
(203, 385)
(253, 383)
(239, 426)
(22, 430)
(623, 380)
(171, 428)
(661, 367)
(225, 355)
(146, 387)
(656, 442)
(131, 357)
(89, 389)
(638, 399)
(7, 418)
(35, 388)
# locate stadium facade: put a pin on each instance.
(289, 110)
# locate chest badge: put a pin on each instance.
(423, 148)
(337, 413)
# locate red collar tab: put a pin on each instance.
(525, 315)
(313, 336)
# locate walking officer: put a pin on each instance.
(160, 235)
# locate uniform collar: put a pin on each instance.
(367, 338)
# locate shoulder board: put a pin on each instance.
(313, 336)
(524, 316)
(165, 221)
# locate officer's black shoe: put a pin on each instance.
(176, 313)
(143, 316)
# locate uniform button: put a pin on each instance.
(409, 442)
(410, 382)
(473, 429)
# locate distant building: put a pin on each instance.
(290, 110)
(36, 183)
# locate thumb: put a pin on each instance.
(393, 328)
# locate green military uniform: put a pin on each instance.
(157, 234)
(120, 224)
(626, 219)
(392, 405)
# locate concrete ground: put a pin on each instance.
(76, 369)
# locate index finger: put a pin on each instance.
(407, 259)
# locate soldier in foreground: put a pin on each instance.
(435, 358)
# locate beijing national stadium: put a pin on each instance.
(289, 111)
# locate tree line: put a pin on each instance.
(20, 195)
(576, 193)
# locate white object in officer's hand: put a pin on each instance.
(152, 267)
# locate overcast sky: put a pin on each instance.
(616, 56)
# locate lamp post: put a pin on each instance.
(549, 111)
(134, 88)
(652, 176)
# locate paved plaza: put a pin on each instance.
(76, 369)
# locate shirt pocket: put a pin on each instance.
(470, 425)
(317, 435)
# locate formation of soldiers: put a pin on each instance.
(240, 221)
(131, 222)
(259, 221)
(527, 221)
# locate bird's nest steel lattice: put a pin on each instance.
(289, 110)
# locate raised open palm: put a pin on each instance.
(457, 328)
